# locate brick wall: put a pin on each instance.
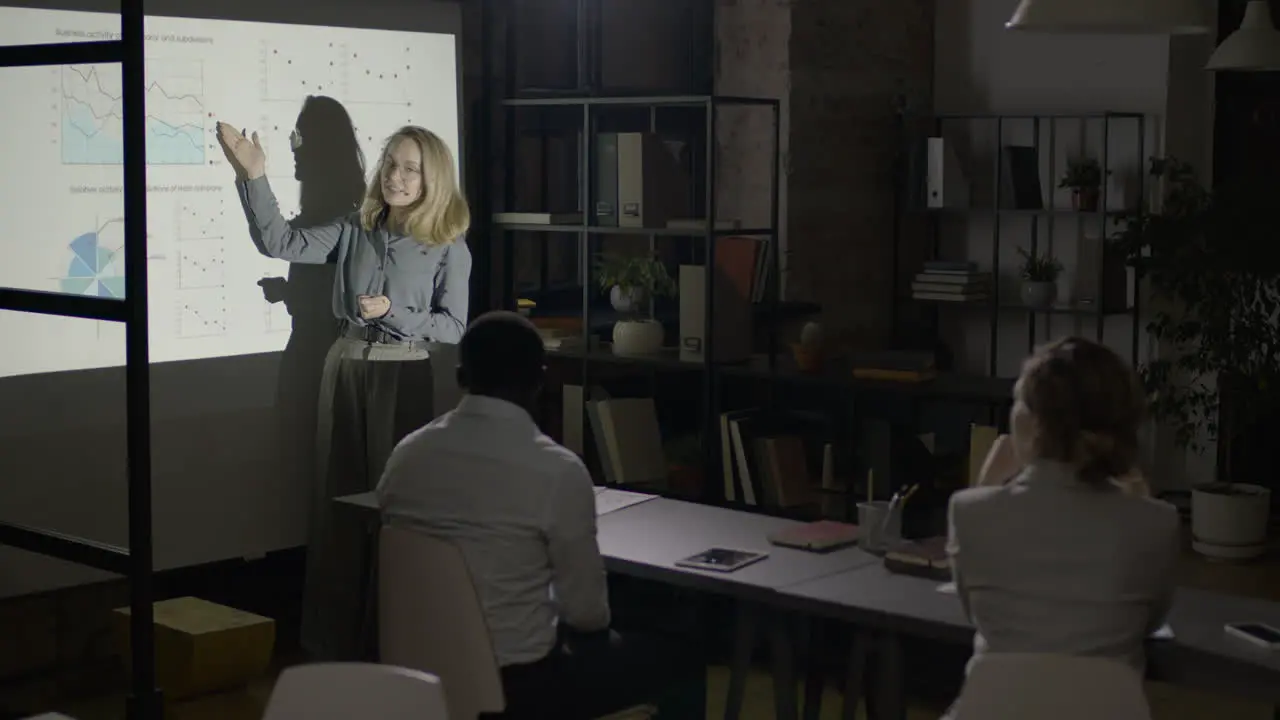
(838, 66)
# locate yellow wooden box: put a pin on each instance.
(203, 647)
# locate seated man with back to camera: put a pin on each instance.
(521, 508)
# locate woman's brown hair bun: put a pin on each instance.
(1088, 407)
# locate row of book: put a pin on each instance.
(628, 439)
(951, 281)
(766, 459)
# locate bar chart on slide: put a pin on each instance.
(91, 119)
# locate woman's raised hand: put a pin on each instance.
(1001, 464)
(244, 153)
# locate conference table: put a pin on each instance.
(853, 587)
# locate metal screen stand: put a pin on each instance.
(136, 561)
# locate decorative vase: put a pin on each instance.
(1039, 294)
(811, 335)
(637, 337)
(1086, 199)
(1229, 520)
(626, 300)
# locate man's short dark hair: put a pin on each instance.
(502, 350)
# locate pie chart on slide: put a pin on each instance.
(94, 269)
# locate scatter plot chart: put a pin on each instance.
(275, 126)
(201, 265)
(373, 123)
(192, 243)
(382, 76)
(290, 75)
(96, 263)
(202, 313)
(91, 119)
(195, 223)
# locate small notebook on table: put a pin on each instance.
(820, 536)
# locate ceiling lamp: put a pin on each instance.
(1126, 17)
(1254, 47)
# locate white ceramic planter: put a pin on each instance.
(637, 337)
(1039, 294)
(1230, 525)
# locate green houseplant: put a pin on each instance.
(632, 282)
(1039, 275)
(1212, 272)
(1084, 177)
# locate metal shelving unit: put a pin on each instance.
(589, 105)
(1102, 218)
(136, 560)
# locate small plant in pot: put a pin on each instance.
(1084, 178)
(1215, 284)
(1039, 279)
(633, 281)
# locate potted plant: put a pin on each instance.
(1084, 178)
(1216, 286)
(633, 281)
(1039, 279)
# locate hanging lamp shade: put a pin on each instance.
(1254, 47)
(1129, 17)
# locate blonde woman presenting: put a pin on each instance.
(401, 282)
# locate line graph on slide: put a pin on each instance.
(96, 263)
(91, 130)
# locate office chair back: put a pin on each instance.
(430, 619)
(356, 691)
(1017, 686)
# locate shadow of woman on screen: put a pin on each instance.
(329, 167)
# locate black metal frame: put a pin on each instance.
(136, 561)
(996, 307)
(588, 42)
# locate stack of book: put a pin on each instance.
(923, 558)
(946, 281)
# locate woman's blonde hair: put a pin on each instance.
(440, 215)
(1087, 407)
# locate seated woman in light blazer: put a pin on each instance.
(1070, 556)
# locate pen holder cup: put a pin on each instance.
(879, 525)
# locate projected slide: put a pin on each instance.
(64, 204)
